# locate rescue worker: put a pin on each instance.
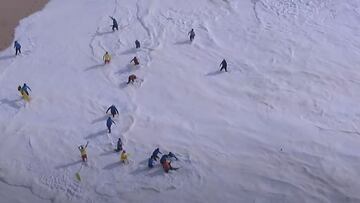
(119, 145)
(155, 153)
(113, 110)
(151, 162)
(131, 79)
(17, 47)
(223, 65)
(171, 155)
(135, 60)
(192, 35)
(109, 123)
(137, 44)
(115, 24)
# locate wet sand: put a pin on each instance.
(11, 12)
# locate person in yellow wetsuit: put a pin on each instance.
(24, 91)
(83, 152)
(124, 157)
(107, 58)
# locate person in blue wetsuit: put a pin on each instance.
(119, 145)
(156, 153)
(192, 35)
(113, 110)
(151, 162)
(109, 123)
(115, 24)
(171, 155)
(17, 47)
(223, 65)
(137, 44)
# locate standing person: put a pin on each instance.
(17, 47)
(156, 153)
(124, 157)
(137, 44)
(107, 57)
(113, 110)
(192, 35)
(119, 145)
(131, 79)
(135, 60)
(115, 24)
(223, 65)
(109, 122)
(83, 152)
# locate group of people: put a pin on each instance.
(123, 154)
(113, 110)
(135, 60)
(223, 64)
(132, 77)
(107, 58)
(119, 147)
(165, 160)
